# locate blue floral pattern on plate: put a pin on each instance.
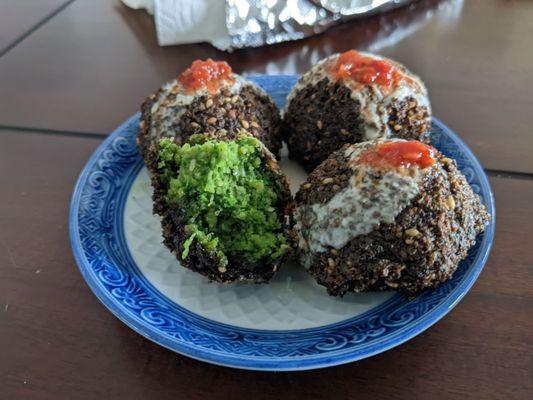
(99, 246)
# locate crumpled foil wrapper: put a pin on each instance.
(253, 23)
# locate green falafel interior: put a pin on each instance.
(229, 196)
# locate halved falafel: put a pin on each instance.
(224, 206)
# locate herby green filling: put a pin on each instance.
(227, 195)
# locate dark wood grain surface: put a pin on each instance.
(19, 17)
(87, 68)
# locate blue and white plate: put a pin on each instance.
(289, 324)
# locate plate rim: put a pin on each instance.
(264, 363)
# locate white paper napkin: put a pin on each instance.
(138, 4)
(187, 21)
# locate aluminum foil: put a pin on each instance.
(351, 8)
(253, 23)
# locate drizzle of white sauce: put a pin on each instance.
(372, 197)
(174, 99)
(373, 100)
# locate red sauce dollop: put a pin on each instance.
(205, 74)
(399, 154)
(366, 70)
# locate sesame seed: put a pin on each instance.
(412, 232)
(255, 124)
(397, 127)
(222, 269)
(451, 202)
(212, 121)
(194, 125)
(208, 103)
(306, 186)
(245, 124)
(235, 99)
(325, 181)
(331, 262)
(409, 241)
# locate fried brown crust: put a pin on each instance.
(220, 116)
(421, 249)
(321, 118)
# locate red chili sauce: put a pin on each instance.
(205, 74)
(366, 70)
(399, 154)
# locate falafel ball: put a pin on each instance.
(224, 207)
(208, 98)
(350, 98)
(386, 214)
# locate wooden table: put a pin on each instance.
(71, 71)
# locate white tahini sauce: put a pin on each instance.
(374, 102)
(372, 198)
(174, 99)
